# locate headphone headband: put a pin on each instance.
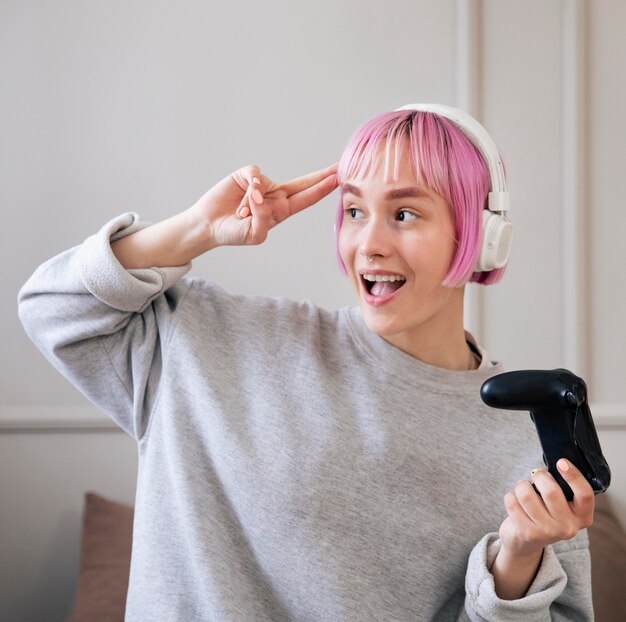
(498, 195)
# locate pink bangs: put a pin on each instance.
(444, 160)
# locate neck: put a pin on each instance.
(440, 340)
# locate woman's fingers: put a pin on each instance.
(531, 502)
(552, 497)
(312, 194)
(250, 180)
(243, 211)
(584, 501)
(299, 193)
(516, 512)
(253, 194)
(550, 517)
(307, 181)
(266, 203)
(262, 217)
(246, 174)
(580, 509)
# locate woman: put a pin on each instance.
(303, 464)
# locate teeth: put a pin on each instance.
(384, 277)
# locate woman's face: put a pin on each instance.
(408, 230)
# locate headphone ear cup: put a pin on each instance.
(496, 243)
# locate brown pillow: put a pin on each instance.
(104, 561)
(607, 546)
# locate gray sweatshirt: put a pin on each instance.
(292, 465)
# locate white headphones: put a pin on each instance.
(497, 228)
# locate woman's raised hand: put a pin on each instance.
(243, 207)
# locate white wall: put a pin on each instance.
(108, 107)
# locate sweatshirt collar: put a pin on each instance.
(397, 362)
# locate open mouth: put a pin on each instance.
(382, 284)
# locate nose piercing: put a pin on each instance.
(370, 258)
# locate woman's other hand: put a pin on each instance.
(243, 207)
(534, 522)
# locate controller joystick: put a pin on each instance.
(557, 402)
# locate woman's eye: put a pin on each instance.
(406, 216)
(354, 212)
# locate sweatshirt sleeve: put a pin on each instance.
(104, 327)
(560, 591)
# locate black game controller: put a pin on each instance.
(557, 401)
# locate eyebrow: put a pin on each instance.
(398, 193)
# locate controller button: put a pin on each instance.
(580, 392)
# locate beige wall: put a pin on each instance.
(108, 107)
(607, 222)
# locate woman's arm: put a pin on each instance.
(103, 327)
(239, 210)
(171, 242)
(102, 312)
(513, 575)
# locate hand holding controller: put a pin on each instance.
(557, 401)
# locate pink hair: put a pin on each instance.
(443, 159)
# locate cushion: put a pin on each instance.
(104, 561)
(607, 546)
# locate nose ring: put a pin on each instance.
(370, 258)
